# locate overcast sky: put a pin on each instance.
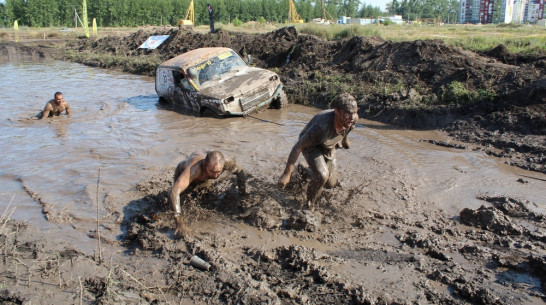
(381, 3)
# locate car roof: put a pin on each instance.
(193, 57)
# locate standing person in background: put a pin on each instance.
(211, 18)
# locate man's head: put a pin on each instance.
(214, 164)
(58, 97)
(346, 109)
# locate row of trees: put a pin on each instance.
(47, 13)
(444, 10)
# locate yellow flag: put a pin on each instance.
(94, 27)
(16, 30)
(85, 22)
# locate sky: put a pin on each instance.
(381, 3)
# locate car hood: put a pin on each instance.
(238, 83)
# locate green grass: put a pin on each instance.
(524, 39)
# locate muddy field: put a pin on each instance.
(375, 239)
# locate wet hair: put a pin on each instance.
(57, 94)
(345, 102)
(214, 157)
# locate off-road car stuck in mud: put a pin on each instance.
(217, 81)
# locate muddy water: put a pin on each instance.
(118, 135)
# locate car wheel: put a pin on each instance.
(206, 112)
(280, 101)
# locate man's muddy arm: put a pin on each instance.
(292, 158)
(233, 168)
(179, 186)
(345, 143)
(47, 109)
(68, 111)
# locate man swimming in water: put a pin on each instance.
(56, 106)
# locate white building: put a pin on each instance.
(362, 21)
(518, 15)
(535, 11)
(469, 11)
(507, 11)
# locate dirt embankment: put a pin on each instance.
(415, 84)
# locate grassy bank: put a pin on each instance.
(523, 39)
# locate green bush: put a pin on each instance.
(457, 94)
(338, 31)
(237, 22)
(261, 20)
(387, 22)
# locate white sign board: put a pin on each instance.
(153, 42)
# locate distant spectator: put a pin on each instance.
(211, 18)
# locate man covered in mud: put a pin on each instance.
(198, 171)
(56, 106)
(318, 142)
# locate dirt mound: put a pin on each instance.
(502, 54)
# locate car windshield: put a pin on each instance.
(218, 65)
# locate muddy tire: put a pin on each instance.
(206, 112)
(280, 101)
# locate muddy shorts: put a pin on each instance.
(321, 167)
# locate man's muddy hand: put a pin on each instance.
(181, 228)
(345, 143)
(283, 181)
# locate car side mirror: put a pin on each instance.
(249, 59)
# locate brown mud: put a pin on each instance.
(373, 240)
(365, 244)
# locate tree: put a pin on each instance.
(350, 7)
(368, 11)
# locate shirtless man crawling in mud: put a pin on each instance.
(318, 142)
(56, 106)
(198, 171)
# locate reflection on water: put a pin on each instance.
(118, 126)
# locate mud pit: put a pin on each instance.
(372, 241)
(407, 84)
(379, 238)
